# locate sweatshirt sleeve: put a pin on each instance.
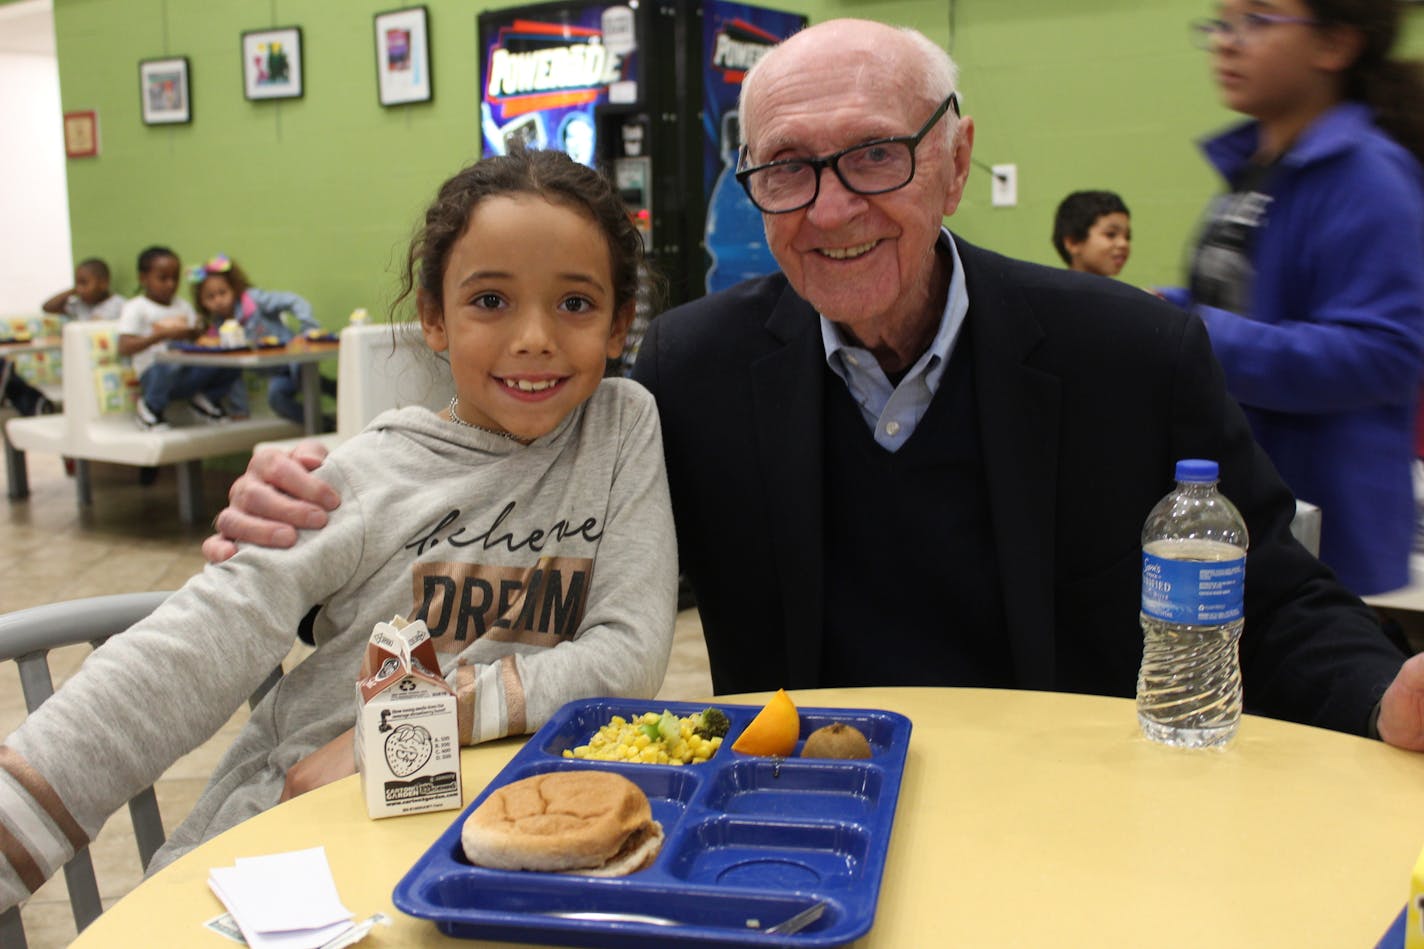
(623, 644)
(153, 693)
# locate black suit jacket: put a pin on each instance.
(1088, 392)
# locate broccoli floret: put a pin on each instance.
(713, 724)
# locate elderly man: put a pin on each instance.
(906, 460)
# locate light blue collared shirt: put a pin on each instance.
(892, 412)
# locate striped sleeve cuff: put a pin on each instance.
(37, 832)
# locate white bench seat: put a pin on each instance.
(85, 434)
(378, 369)
(120, 441)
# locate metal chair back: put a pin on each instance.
(27, 637)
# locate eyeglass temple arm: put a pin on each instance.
(998, 175)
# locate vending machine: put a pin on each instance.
(647, 92)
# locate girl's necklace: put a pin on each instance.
(455, 417)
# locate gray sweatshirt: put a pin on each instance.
(492, 543)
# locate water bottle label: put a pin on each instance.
(1196, 592)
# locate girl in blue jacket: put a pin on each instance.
(221, 291)
(1309, 271)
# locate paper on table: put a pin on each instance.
(224, 925)
(285, 900)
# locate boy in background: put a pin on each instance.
(90, 298)
(151, 322)
(1092, 232)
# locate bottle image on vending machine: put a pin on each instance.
(735, 238)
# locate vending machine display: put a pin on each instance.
(646, 92)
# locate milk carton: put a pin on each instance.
(407, 731)
(231, 335)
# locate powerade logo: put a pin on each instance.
(535, 66)
(737, 47)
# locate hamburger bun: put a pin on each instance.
(591, 822)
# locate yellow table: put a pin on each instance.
(1025, 819)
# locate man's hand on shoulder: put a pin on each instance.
(1401, 720)
(275, 496)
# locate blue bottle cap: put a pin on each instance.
(1197, 470)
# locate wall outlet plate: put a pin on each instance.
(1004, 186)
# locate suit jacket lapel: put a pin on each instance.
(1019, 408)
(787, 395)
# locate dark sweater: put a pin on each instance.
(912, 590)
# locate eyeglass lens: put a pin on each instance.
(868, 169)
(1243, 29)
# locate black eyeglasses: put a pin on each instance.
(886, 164)
(1243, 29)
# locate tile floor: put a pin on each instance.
(131, 539)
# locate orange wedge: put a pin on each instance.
(774, 730)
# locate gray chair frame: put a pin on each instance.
(26, 637)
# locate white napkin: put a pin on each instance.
(282, 901)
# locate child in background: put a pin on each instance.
(1092, 232)
(90, 298)
(221, 292)
(1306, 270)
(153, 320)
(528, 524)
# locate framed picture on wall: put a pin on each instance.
(81, 134)
(272, 63)
(403, 56)
(163, 91)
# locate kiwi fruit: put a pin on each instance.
(836, 740)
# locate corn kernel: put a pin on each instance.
(625, 740)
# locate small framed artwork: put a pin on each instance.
(81, 134)
(403, 56)
(272, 63)
(163, 90)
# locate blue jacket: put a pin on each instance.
(260, 313)
(1327, 363)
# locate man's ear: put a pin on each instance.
(618, 332)
(963, 149)
(432, 322)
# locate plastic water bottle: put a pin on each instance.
(1193, 583)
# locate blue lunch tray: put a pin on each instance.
(749, 842)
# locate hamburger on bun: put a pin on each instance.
(595, 823)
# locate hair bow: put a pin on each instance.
(219, 264)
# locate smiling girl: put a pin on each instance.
(525, 274)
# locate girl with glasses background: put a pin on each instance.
(1309, 270)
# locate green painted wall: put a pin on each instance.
(1093, 94)
(319, 195)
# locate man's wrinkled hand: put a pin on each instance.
(1401, 720)
(276, 496)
